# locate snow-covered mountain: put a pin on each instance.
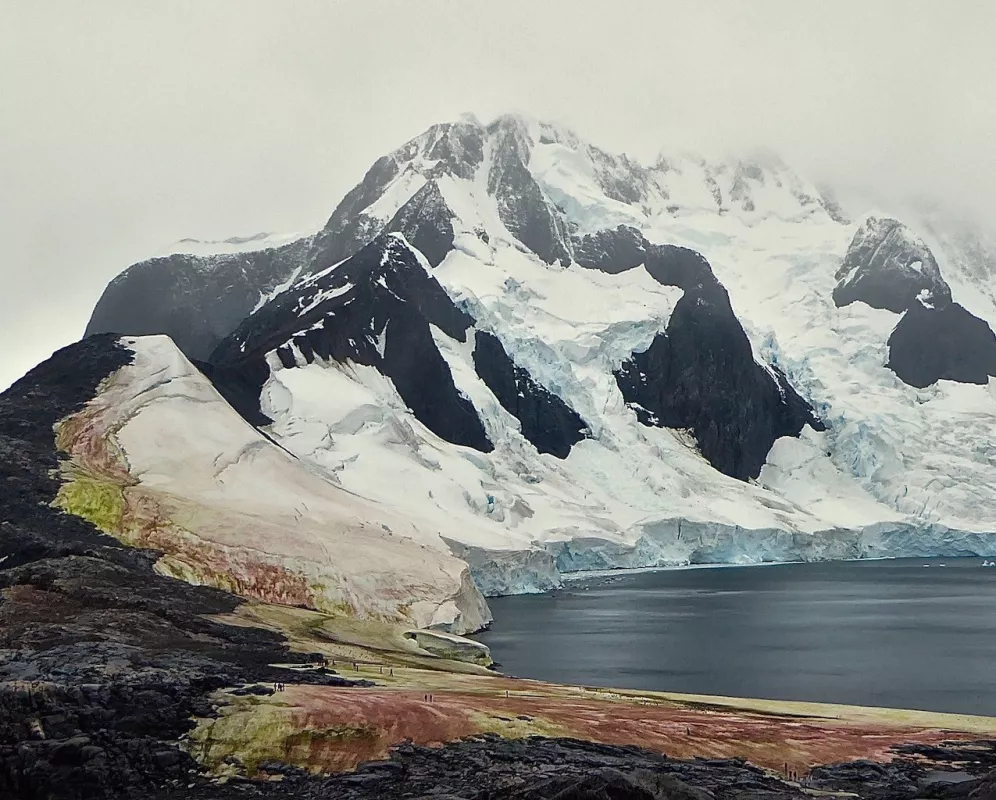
(546, 357)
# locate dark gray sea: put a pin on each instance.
(893, 633)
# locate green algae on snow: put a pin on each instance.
(98, 501)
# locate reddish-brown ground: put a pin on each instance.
(379, 718)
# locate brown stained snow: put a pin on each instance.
(100, 488)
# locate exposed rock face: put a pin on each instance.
(374, 310)
(547, 421)
(611, 251)
(455, 149)
(888, 266)
(522, 206)
(490, 768)
(195, 300)
(700, 373)
(945, 343)
(427, 222)
(684, 268)
(348, 229)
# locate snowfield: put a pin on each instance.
(230, 508)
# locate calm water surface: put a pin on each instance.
(882, 633)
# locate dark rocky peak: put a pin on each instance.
(888, 266)
(386, 271)
(450, 148)
(833, 207)
(522, 205)
(510, 132)
(700, 375)
(622, 249)
(457, 148)
(447, 148)
(618, 176)
(373, 309)
(348, 229)
(683, 267)
(946, 343)
(376, 309)
(427, 222)
(195, 300)
(621, 178)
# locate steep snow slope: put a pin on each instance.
(160, 460)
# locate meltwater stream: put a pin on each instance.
(880, 633)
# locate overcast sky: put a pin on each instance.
(127, 125)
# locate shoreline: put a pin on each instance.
(508, 647)
(579, 576)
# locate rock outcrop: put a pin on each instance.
(700, 373)
(376, 310)
(942, 343)
(547, 421)
(195, 300)
(888, 266)
(522, 206)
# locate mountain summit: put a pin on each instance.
(543, 357)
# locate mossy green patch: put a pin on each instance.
(252, 731)
(98, 501)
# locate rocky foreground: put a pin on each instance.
(108, 670)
